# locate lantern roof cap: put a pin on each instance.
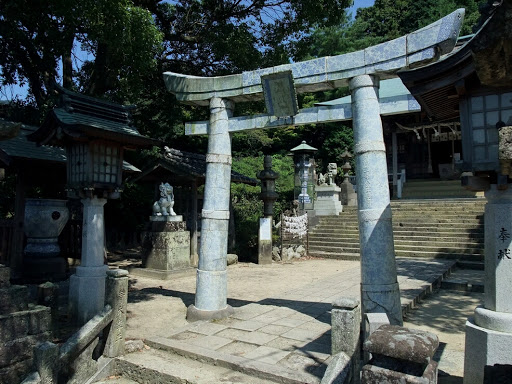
(79, 117)
(303, 147)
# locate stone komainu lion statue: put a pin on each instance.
(163, 207)
(332, 171)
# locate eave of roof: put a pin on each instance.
(186, 164)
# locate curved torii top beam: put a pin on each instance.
(415, 49)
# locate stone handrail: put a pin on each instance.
(74, 358)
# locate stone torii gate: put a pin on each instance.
(361, 71)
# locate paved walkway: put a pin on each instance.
(282, 333)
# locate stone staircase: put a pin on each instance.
(436, 189)
(449, 228)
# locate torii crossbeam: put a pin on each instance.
(361, 71)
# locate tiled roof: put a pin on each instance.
(21, 148)
(190, 164)
(83, 116)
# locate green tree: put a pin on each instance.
(36, 38)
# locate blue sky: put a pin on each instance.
(360, 4)
(8, 93)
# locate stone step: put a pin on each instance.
(410, 227)
(335, 254)
(403, 243)
(434, 248)
(413, 219)
(403, 235)
(156, 366)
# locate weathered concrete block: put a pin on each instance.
(5, 276)
(13, 299)
(20, 349)
(117, 298)
(16, 372)
(339, 370)
(46, 361)
(167, 250)
(373, 374)
(346, 332)
(13, 326)
(40, 320)
(402, 343)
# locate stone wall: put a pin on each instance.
(22, 327)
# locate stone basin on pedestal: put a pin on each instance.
(44, 221)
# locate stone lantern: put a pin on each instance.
(304, 174)
(348, 196)
(269, 196)
(346, 156)
(268, 186)
(95, 134)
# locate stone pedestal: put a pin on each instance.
(327, 201)
(265, 241)
(489, 332)
(348, 196)
(400, 356)
(166, 247)
(87, 285)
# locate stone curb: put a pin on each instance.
(428, 289)
(241, 364)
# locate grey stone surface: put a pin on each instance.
(498, 250)
(346, 331)
(44, 221)
(166, 250)
(231, 258)
(493, 321)
(117, 298)
(484, 347)
(327, 202)
(211, 286)
(380, 291)
(87, 285)
(339, 370)
(132, 346)
(46, 362)
(372, 374)
(195, 314)
(402, 343)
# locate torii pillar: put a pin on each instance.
(379, 284)
(360, 70)
(212, 283)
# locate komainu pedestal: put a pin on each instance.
(166, 247)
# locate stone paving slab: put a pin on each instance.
(288, 338)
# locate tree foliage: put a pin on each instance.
(387, 20)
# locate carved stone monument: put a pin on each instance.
(166, 245)
(327, 202)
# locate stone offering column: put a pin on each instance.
(87, 285)
(211, 284)
(489, 332)
(379, 285)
